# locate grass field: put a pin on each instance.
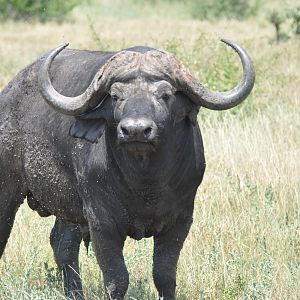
(245, 240)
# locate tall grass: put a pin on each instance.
(244, 243)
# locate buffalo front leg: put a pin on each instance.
(108, 246)
(10, 199)
(167, 248)
(65, 240)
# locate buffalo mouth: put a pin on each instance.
(138, 149)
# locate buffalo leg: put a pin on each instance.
(65, 240)
(167, 248)
(108, 247)
(10, 199)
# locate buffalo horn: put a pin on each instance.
(67, 105)
(203, 96)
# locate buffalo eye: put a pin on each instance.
(165, 97)
(114, 97)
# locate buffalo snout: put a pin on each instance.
(141, 130)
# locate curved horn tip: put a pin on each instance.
(62, 47)
(226, 41)
(68, 105)
(65, 45)
(225, 100)
(230, 43)
(57, 50)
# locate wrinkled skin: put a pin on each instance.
(134, 172)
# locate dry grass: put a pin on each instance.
(244, 243)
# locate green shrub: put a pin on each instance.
(294, 14)
(213, 9)
(277, 19)
(42, 10)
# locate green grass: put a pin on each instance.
(245, 242)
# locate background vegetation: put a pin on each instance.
(245, 241)
(42, 10)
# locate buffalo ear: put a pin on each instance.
(185, 108)
(88, 129)
(91, 125)
(192, 115)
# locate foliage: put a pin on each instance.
(42, 10)
(179, 9)
(277, 18)
(232, 9)
(294, 14)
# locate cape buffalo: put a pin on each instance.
(133, 172)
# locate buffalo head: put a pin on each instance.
(142, 94)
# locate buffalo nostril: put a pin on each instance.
(147, 132)
(125, 131)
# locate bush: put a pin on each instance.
(294, 14)
(42, 10)
(277, 18)
(213, 9)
